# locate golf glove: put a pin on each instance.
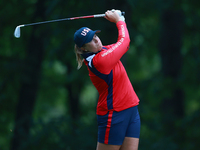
(120, 14)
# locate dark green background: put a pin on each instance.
(46, 104)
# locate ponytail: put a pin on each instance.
(79, 59)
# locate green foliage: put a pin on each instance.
(52, 126)
(61, 133)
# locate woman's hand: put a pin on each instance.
(112, 16)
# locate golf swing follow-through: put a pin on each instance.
(118, 118)
(17, 29)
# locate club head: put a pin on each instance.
(17, 31)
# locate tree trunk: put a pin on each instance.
(74, 89)
(170, 50)
(29, 86)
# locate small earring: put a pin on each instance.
(84, 50)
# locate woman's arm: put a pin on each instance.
(106, 60)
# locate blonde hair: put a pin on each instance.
(79, 59)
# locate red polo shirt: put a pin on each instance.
(109, 76)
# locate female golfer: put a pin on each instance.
(117, 112)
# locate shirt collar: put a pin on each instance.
(86, 55)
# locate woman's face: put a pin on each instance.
(93, 46)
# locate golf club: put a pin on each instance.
(17, 29)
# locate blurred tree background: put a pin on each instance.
(45, 103)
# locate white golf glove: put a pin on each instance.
(120, 14)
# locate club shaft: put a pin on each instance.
(30, 24)
(73, 18)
